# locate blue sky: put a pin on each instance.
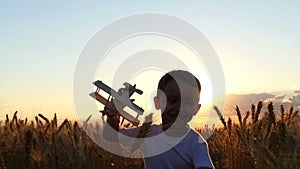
(258, 44)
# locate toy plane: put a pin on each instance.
(119, 102)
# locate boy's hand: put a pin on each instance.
(113, 116)
(110, 133)
(113, 121)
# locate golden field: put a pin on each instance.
(258, 139)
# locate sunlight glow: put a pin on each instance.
(147, 79)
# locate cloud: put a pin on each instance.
(276, 99)
(246, 100)
(295, 100)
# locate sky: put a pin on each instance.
(258, 45)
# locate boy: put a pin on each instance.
(174, 143)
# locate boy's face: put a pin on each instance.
(178, 103)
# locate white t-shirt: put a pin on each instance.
(165, 152)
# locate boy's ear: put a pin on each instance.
(197, 109)
(156, 103)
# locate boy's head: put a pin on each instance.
(177, 97)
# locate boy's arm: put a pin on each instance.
(113, 133)
(111, 128)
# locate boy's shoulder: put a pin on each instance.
(192, 141)
(195, 136)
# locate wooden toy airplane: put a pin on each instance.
(117, 102)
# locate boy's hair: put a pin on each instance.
(181, 75)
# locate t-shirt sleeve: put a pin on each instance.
(201, 156)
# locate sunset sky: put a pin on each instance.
(258, 44)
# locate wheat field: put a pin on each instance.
(257, 140)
